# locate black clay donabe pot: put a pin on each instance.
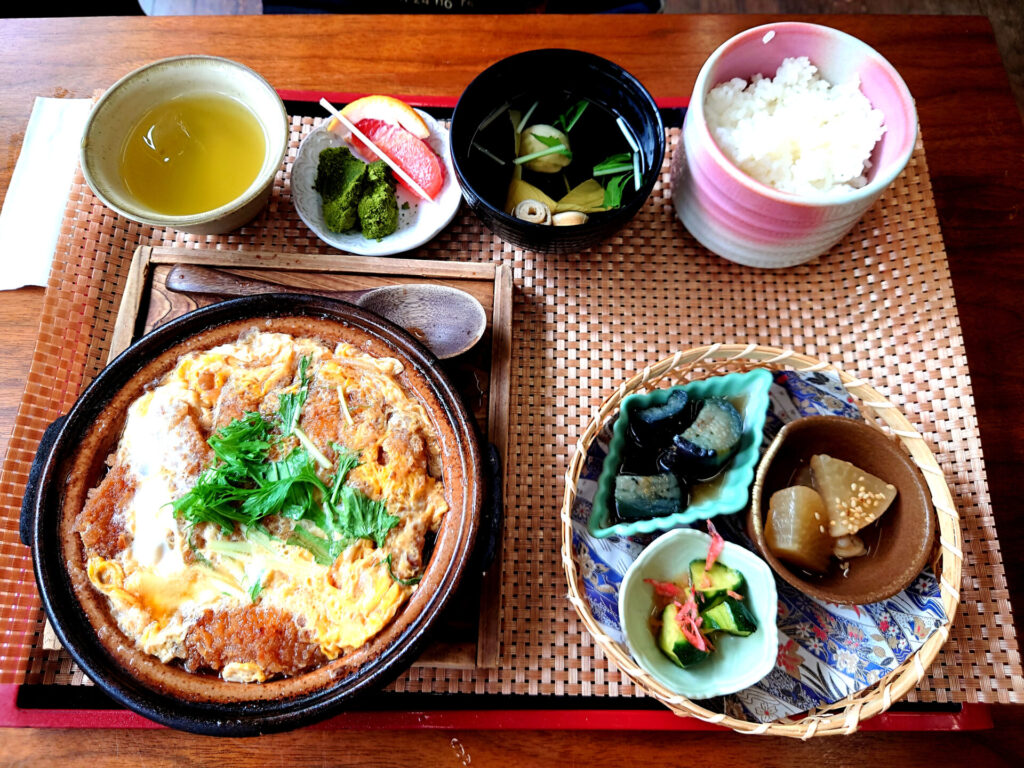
(71, 460)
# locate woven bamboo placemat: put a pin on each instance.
(880, 305)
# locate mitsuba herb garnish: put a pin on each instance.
(554, 147)
(244, 486)
(613, 192)
(256, 588)
(198, 556)
(617, 163)
(404, 582)
(290, 404)
(620, 168)
(569, 118)
(347, 514)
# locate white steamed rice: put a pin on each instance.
(796, 132)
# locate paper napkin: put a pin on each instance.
(34, 205)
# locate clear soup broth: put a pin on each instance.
(593, 138)
(192, 154)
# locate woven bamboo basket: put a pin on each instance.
(844, 716)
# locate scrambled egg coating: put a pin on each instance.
(255, 611)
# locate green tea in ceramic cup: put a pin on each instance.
(192, 143)
(192, 153)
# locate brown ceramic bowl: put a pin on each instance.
(903, 542)
(73, 463)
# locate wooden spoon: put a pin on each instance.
(447, 320)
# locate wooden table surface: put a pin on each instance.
(975, 145)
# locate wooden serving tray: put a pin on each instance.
(470, 635)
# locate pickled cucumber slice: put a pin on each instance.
(713, 585)
(730, 616)
(796, 529)
(673, 642)
(854, 498)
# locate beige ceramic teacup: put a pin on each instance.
(131, 97)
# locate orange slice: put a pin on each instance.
(388, 110)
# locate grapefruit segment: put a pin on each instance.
(390, 110)
(412, 155)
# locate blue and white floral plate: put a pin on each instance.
(824, 652)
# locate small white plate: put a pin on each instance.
(418, 220)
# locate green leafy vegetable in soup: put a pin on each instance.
(564, 156)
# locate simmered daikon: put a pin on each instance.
(796, 531)
(854, 498)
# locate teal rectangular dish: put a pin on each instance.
(731, 491)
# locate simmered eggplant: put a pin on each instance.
(638, 461)
(796, 528)
(639, 497)
(675, 460)
(686, 438)
(653, 427)
(707, 445)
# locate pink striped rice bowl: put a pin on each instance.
(748, 222)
